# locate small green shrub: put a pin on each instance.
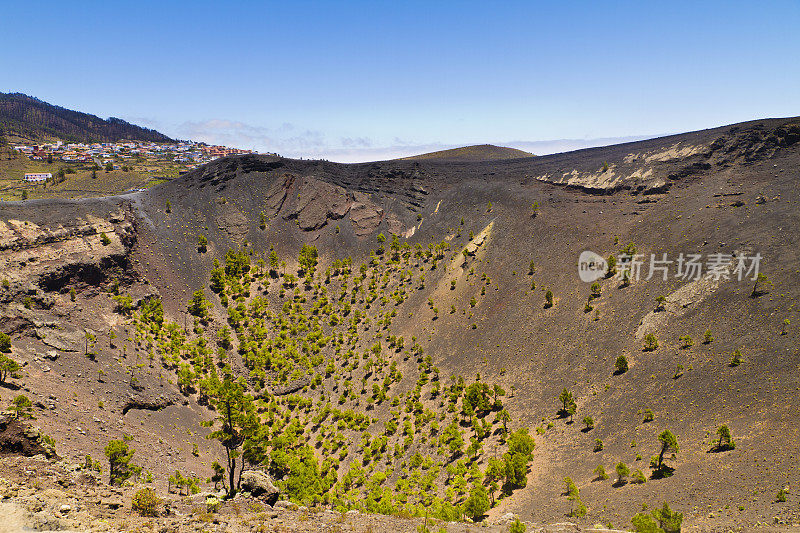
(600, 471)
(548, 297)
(517, 527)
(5, 343)
(145, 502)
(650, 343)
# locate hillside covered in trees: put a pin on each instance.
(30, 118)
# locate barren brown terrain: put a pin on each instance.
(502, 233)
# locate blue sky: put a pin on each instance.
(366, 80)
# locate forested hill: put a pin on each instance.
(30, 118)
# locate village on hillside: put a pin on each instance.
(188, 154)
(58, 169)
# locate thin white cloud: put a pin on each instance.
(285, 140)
(289, 140)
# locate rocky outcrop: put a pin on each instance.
(149, 402)
(19, 438)
(259, 485)
(364, 215)
(39, 258)
(314, 202)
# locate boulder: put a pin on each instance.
(260, 485)
(508, 517)
(283, 504)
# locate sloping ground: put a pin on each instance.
(731, 190)
(69, 497)
(477, 152)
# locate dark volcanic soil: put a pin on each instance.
(730, 190)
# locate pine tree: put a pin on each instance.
(9, 369)
(22, 407)
(600, 471)
(622, 473)
(568, 405)
(668, 443)
(725, 441)
(237, 421)
(119, 461)
(478, 502)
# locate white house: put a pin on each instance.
(38, 176)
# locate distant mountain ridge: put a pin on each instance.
(28, 117)
(478, 152)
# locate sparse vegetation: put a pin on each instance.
(119, 461)
(5, 343)
(21, 407)
(600, 473)
(623, 472)
(145, 502)
(724, 440)
(669, 443)
(650, 343)
(621, 365)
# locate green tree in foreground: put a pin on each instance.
(517, 527)
(568, 405)
(478, 502)
(520, 452)
(600, 472)
(669, 520)
(199, 306)
(237, 421)
(145, 502)
(650, 343)
(119, 461)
